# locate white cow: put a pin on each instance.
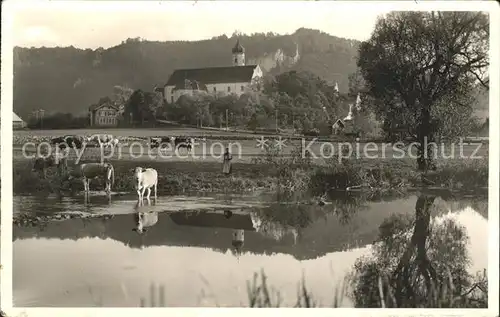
(145, 220)
(146, 178)
(89, 171)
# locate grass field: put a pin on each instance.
(142, 132)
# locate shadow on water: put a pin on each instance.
(221, 247)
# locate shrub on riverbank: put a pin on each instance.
(296, 172)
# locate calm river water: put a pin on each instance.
(102, 261)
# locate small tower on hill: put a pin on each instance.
(238, 54)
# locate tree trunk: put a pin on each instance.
(425, 137)
(402, 274)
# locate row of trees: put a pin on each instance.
(58, 120)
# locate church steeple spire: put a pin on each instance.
(238, 54)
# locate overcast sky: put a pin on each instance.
(107, 24)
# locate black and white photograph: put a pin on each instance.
(305, 154)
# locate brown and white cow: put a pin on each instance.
(89, 171)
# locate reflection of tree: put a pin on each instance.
(345, 205)
(280, 219)
(414, 268)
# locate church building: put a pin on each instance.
(236, 79)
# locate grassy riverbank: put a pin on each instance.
(272, 173)
(263, 295)
(174, 178)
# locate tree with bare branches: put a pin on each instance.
(419, 63)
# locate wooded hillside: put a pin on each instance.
(69, 80)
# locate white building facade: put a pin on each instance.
(236, 79)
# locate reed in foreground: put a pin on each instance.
(262, 295)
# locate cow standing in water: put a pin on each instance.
(145, 178)
(89, 171)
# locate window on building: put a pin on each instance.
(172, 99)
(236, 59)
(215, 89)
(228, 88)
(242, 88)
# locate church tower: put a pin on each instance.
(238, 54)
(238, 241)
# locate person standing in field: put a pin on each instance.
(226, 165)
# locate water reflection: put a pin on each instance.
(417, 262)
(88, 197)
(144, 217)
(217, 249)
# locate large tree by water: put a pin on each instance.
(419, 65)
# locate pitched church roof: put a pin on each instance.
(213, 75)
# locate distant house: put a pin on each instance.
(104, 115)
(17, 122)
(338, 126)
(235, 79)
